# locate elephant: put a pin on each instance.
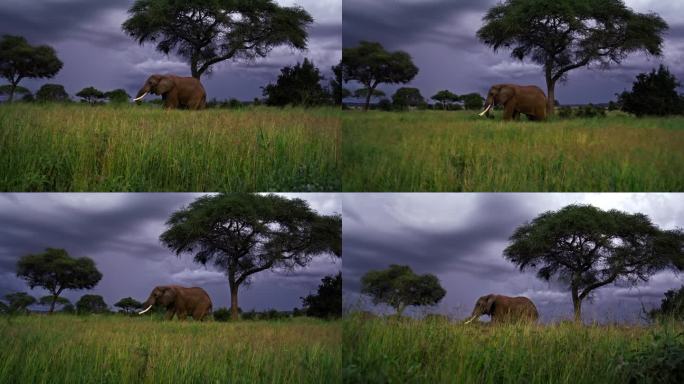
(176, 91)
(505, 309)
(180, 301)
(516, 99)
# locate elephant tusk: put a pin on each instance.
(471, 319)
(140, 98)
(141, 312)
(486, 109)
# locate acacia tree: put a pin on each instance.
(52, 92)
(399, 287)
(90, 95)
(563, 35)
(47, 300)
(128, 305)
(472, 101)
(18, 302)
(362, 93)
(207, 32)
(588, 248)
(445, 96)
(297, 85)
(91, 304)
(20, 60)
(56, 271)
(406, 96)
(244, 234)
(370, 64)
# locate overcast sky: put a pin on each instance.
(460, 238)
(120, 232)
(440, 36)
(96, 52)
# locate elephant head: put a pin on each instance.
(161, 295)
(483, 306)
(498, 95)
(156, 84)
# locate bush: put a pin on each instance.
(565, 112)
(222, 314)
(590, 111)
(385, 105)
(653, 94)
(661, 361)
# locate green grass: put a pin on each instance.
(76, 147)
(116, 349)
(413, 351)
(459, 151)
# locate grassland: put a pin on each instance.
(75, 147)
(413, 351)
(116, 349)
(459, 151)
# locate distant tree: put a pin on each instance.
(47, 300)
(68, 308)
(445, 97)
(588, 248)
(337, 90)
(117, 96)
(128, 305)
(18, 89)
(405, 97)
(18, 302)
(653, 93)
(244, 234)
(671, 307)
(297, 85)
(52, 92)
(209, 32)
(20, 60)
(56, 271)
(613, 106)
(90, 95)
(370, 64)
(362, 93)
(399, 287)
(326, 303)
(562, 35)
(472, 101)
(385, 104)
(91, 304)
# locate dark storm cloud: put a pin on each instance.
(88, 38)
(461, 237)
(440, 36)
(121, 233)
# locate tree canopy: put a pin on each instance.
(20, 60)
(472, 101)
(588, 248)
(47, 300)
(326, 303)
(445, 97)
(91, 304)
(128, 305)
(563, 35)
(90, 95)
(671, 306)
(653, 93)
(55, 271)
(399, 287)
(52, 92)
(18, 302)
(244, 234)
(406, 96)
(297, 85)
(117, 96)
(370, 64)
(206, 32)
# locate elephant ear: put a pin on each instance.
(165, 85)
(489, 305)
(169, 295)
(505, 94)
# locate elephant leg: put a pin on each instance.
(169, 314)
(171, 101)
(516, 115)
(509, 111)
(182, 315)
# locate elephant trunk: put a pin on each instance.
(142, 93)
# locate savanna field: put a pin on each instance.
(436, 151)
(117, 349)
(415, 351)
(64, 148)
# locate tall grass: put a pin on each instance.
(116, 349)
(414, 351)
(56, 147)
(460, 151)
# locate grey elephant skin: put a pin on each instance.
(529, 100)
(505, 309)
(180, 301)
(176, 91)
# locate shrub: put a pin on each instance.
(590, 111)
(660, 361)
(565, 112)
(222, 314)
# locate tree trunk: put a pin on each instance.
(368, 97)
(13, 87)
(551, 95)
(577, 305)
(234, 314)
(52, 305)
